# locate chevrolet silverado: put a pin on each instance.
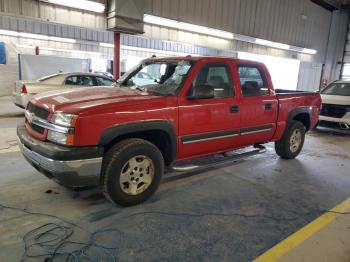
(121, 138)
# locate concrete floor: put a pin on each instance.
(234, 212)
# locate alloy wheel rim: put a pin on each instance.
(136, 175)
(295, 140)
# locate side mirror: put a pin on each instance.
(201, 92)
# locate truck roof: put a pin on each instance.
(198, 58)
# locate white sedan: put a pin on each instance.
(24, 90)
(336, 104)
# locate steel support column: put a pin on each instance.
(116, 62)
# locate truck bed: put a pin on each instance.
(283, 92)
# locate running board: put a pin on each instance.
(259, 149)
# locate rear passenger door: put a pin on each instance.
(258, 105)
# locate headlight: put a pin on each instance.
(63, 119)
(60, 138)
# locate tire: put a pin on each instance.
(289, 147)
(128, 163)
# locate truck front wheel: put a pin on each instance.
(131, 172)
(292, 141)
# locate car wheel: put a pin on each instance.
(131, 172)
(292, 141)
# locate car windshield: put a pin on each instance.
(338, 89)
(159, 77)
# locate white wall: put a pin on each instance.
(284, 72)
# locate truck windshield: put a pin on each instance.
(159, 77)
(338, 89)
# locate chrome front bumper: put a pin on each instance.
(71, 173)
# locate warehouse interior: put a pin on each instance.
(255, 206)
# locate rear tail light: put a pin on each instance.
(23, 90)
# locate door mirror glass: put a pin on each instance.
(201, 92)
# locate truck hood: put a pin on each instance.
(335, 100)
(79, 100)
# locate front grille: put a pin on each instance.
(337, 111)
(36, 128)
(38, 111)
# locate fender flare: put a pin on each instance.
(297, 111)
(114, 132)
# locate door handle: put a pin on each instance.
(234, 109)
(268, 106)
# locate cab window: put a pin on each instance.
(252, 81)
(218, 76)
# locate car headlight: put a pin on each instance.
(63, 119)
(60, 138)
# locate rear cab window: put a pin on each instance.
(252, 80)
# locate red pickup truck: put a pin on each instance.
(162, 111)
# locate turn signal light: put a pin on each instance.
(70, 139)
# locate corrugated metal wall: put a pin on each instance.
(309, 76)
(86, 46)
(298, 22)
(53, 13)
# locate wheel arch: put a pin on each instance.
(160, 133)
(302, 115)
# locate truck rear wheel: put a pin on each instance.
(131, 172)
(292, 141)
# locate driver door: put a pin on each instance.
(209, 125)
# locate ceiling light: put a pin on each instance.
(142, 49)
(156, 20)
(309, 51)
(79, 4)
(107, 45)
(37, 36)
(34, 36)
(8, 33)
(61, 39)
(271, 44)
(60, 50)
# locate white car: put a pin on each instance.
(143, 78)
(24, 90)
(336, 104)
